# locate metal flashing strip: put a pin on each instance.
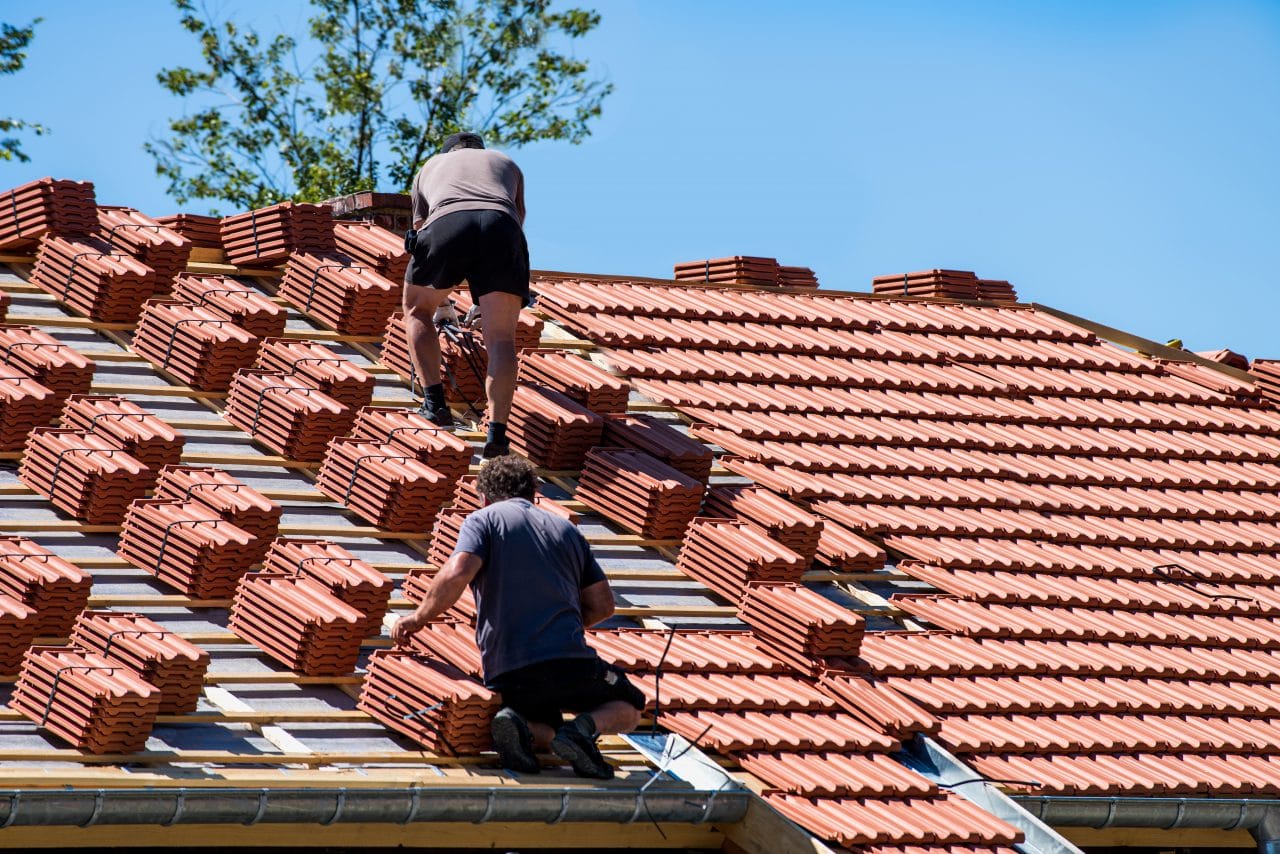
(927, 757)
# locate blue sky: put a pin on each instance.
(1116, 160)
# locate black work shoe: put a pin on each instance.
(441, 417)
(496, 449)
(579, 750)
(514, 742)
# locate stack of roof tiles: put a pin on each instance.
(25, 404)
(947, 284)
(203, 231)
(54, 589)
(18, 631)
(196, 345)
(383, 485)
(46, 206)
(737, 269)
(1226, 357)
(320, 366)
(551, 430)
(1267, 373)
(164, 659)
(638, 492)
(431, 702)
(225, 497)
(229, 299)
(796, 277)
(444, 537)
(268, 236)
(341, 293)
(661, 441)
(96, 704)
(188, 546)
(418, 580)
(800, 625)
(147, 437)
(87, 475)
(157, 246)
(287, 414)
(90, 276)
(726, 556)
(298, 622)
(374, 246)
(576, 378)
(344, 575)
(411, 433)
(783, 521)
(35, 353)
(467, 498)
(452, 641)
(1099, 525)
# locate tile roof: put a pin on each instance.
(1076, 542)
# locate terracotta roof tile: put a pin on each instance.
(374, 246)
(299, 622)
(336, 376)
(225, 497)
(726, 556)
(550, 429)
(187, 546)
(413, 434)
(160, 657)
(198, 346)
(202, 231)
(267, 236)
(340, 292)
(88, 275)
(227, 298)
(352, 580)
(142, 434)
(836, 775)
(286, 414)
(431, 702)
(639, 492)
(383, 485)
(86, 475)
(154, 244)
(852, 821)
(54, 589)
(576, 378)
(46, 206)
(734, 731)
(98, 705)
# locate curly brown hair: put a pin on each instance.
(507, 477)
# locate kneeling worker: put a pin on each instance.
(468, 216)
(537, 586)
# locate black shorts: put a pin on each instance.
(486, 248)
(541, 691)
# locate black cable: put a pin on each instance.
(657, 680)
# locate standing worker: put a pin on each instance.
(537, 586)
(468, 220)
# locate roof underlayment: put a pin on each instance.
(972, 525)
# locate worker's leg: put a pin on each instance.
(615, 716)
(499, 313)
(420, 304)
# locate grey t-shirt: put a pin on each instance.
(527, 591)
(467, 179)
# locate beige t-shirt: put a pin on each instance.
(467, 179)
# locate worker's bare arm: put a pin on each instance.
(597, 603)
(445, 589)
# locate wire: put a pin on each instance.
(657, 680)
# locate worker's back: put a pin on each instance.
(527, 592)
(467, 179)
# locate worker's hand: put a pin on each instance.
(404, 628)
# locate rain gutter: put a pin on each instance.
(174, 806)
(1258, 816)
